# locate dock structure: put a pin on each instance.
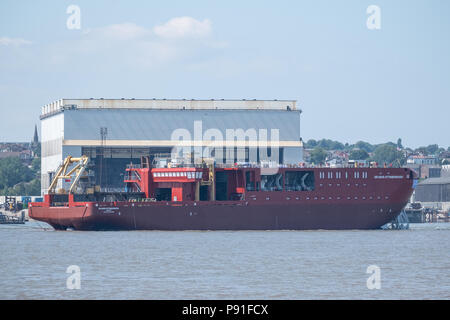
(9, 219)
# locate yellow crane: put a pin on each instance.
(62, 173)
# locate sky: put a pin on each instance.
(352, 82)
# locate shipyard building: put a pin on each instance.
(434, 193)
(117, 132)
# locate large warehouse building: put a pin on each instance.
(434, 193)
(115, 132)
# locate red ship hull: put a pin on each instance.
(220, 217)
(334, 205)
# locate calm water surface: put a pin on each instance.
(414, 264)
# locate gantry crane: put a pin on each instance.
(78, 170)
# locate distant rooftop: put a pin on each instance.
(170, 104)
(423, 157)
(441, 180)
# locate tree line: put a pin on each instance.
(389, 152)
(20, 179)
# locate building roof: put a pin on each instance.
(168, 104)
(441, 180)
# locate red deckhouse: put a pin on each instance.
(207, 197)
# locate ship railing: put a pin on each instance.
(134, 166)
(112, 190)
(132, 176)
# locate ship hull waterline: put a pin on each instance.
(229, 216)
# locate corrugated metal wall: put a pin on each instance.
(159, 124)
(432, 193)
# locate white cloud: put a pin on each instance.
(184, 27)
(5, 41)
(121, 46)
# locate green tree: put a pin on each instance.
(318, 155)
(399, 143)
(358, 154)
(388, 154)
(12, 172)
(422, 150)
(432, 148)
(33, 188)
(36, 167)
(364, 146)
(311, 143)
(37, 150)
(328, 144)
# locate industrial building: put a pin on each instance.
(434, 193)
(116, 132)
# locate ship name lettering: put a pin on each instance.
(388, 177)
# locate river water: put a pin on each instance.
(411, 264)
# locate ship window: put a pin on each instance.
(299, 180)
(273, 182)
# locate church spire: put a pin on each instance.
(36, 137)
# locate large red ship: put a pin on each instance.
(235, 197)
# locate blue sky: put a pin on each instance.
(352, 83)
